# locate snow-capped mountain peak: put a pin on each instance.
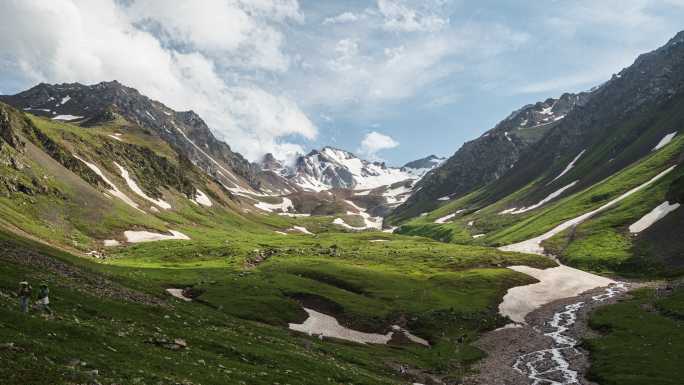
(331, 167)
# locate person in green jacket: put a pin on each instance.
(24, 296)
(44, 299)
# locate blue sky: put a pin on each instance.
(393, 80)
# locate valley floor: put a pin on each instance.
(115, 323)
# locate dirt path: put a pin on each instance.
(543, 351)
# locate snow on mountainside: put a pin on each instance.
(332, 168)
(488, 157)
(100, 103)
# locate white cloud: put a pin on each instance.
(398, 16)
(95, 40)
(345, 17)
(218, 27)
(362, 72)
(374, 142)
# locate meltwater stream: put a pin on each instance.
(551, 366)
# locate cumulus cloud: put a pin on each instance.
(374, 142)
(172, 51)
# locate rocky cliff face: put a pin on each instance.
(185, 130)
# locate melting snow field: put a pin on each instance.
(327, 326)
(554, 283)
(146, 236)
(658, 213)
(136, 189)
(664, 141)
(550, 366)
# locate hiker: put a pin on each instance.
(24, 296)
(44, 299)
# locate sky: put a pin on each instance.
(390, 80)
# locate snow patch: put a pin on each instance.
(554, 283)
(341, 222)
(652, 217)
(445, 218)
(569, 166)
(664, 141)
(113, 190)
(533, 245)
(37, 109)
(284, 206)
(136, 189)
(64, 100)
(66, 117)
(146, 236)
(294, 215)
(301, 229)
(111, 243)
(543, 201)
(202, 199)
(178, 293)
(327, 326)
(370, 221)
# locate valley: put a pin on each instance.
(546, 251)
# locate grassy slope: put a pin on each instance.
(642, 340)
(601, 244)
(446, 293)
(442, 292)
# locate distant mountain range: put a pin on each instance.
(332, 168)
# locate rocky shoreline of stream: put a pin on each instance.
(506, 345)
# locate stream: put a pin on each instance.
(551, 366)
